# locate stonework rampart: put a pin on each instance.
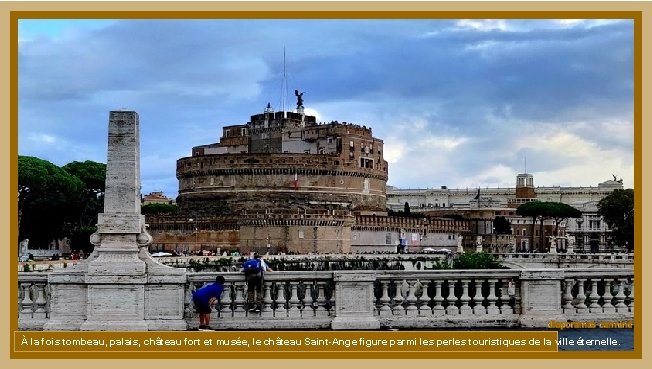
(218, 184)
(301, 232)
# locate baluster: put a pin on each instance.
(492, 298)
(620, 297)
(581, 297)
(384, 300)
(465, 299)
(631, 295)
(227, 301)
(240, 299)
(505, 297)
(331, 298)
(40, 311)
(451, 308)
(478, 299)
(293, 308)
(398, 309)
(608, 297)
(320, 299)
(266, 310)
(594, 297)
(27, 303)
(515, 293)
(307, 310)
(567, 297)
(411, 309)
(421, 293)
(438, 299)
(281, 301)
(188, 306)
(478, 308)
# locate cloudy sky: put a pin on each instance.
(461, 103)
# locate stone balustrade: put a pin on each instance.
(33, 300)
(430, 299)
(291, 300)
(566, 260)
(608, 293)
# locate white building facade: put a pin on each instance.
(590, 231)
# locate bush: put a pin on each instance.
(477, 260)
(440, 265)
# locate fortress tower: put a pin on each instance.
(284, 161)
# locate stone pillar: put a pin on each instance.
(119, 287)
(354, 301)
(116, 277)
(540, 297)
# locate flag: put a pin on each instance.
(295, 183)
(478, 195)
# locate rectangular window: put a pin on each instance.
(388, 238)
(301, 234)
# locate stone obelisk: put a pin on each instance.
(116, 276)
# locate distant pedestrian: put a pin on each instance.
(207, 297)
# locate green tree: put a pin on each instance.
(81, 239)
(91, 201)
(533, 210)
(47, 196)
(546, 210)
(617, 210)
(560, 211)
(93, 175)
(502, 226)
(153, 209)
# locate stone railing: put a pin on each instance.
(609, 292)
(431, 299)
(33, 300)
(394, 299)
(291, 300)
(543, 260)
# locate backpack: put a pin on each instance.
(252, 266)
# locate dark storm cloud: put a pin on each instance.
(440, 93)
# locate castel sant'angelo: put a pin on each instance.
(284, 161)
(284, 182)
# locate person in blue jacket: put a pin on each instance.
(206, 297)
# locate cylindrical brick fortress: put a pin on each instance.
(281, 162)
(229, 184)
